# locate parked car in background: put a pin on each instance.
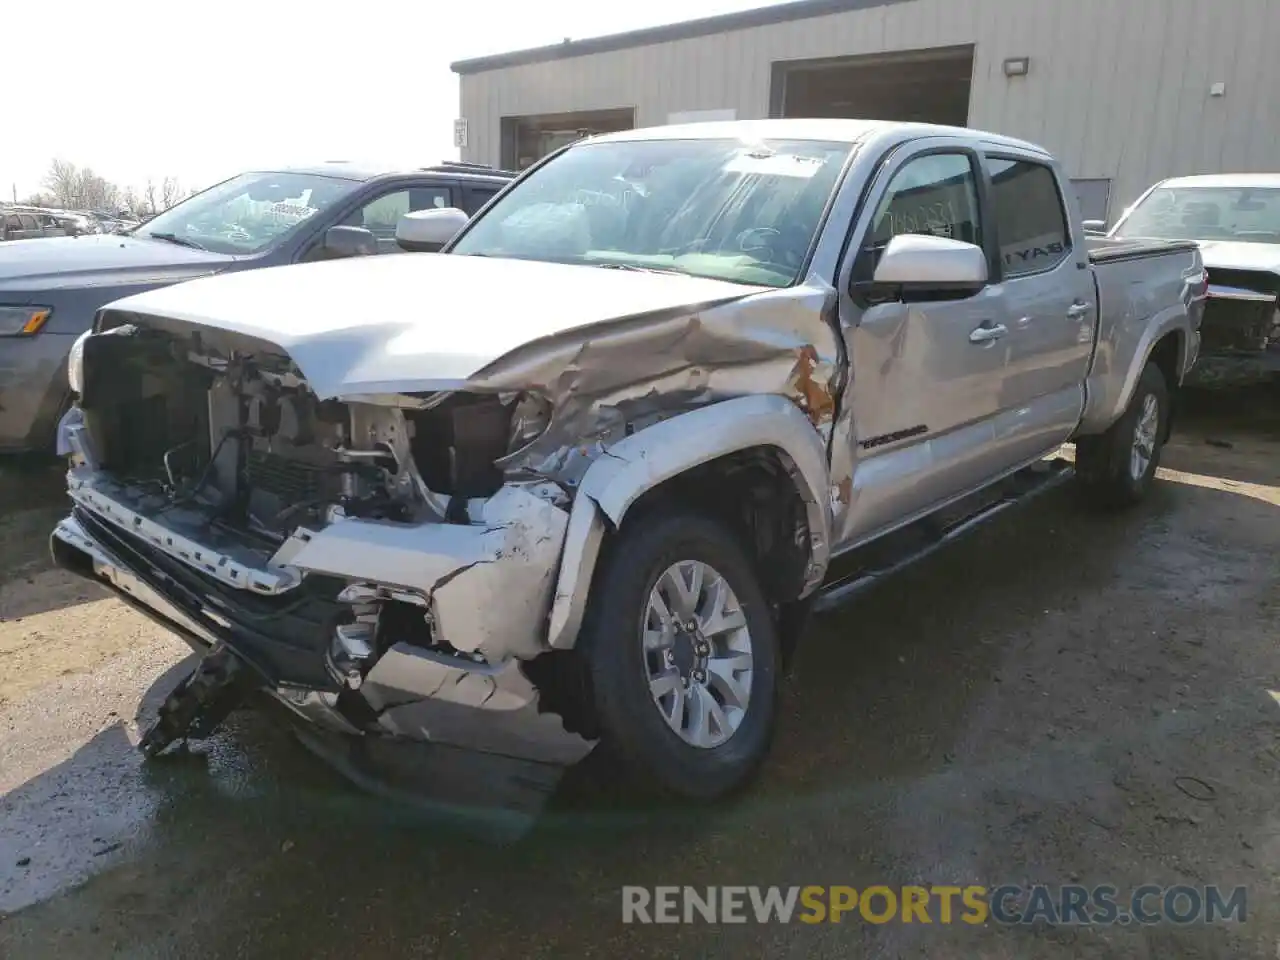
(114, 222)
(1236, 220)
(50, 291)
(76, 224)
(579, 479)
(28, 223)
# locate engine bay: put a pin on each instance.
(230, 432)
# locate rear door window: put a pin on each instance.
(1030, 218)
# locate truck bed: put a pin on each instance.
(1133, 278)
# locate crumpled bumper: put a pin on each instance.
(475, 698)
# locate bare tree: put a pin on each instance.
(96, 193)
(79, 188)
(170, 192)
(62, 182)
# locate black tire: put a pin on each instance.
(632, 729)
(1103, 463)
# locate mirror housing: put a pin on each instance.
(349, 242)
(1095, 226)
(426, 231)
(920, 263)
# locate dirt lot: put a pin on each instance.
(1062, 698)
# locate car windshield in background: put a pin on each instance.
(745, 212)
(1246, 214)
(247, 213)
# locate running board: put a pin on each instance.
(858, 570)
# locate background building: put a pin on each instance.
(1125, 92)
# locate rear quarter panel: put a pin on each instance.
(1143, 297)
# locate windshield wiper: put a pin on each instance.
(180, 241)
(634, 268)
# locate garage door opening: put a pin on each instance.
(926, 86)
(526, 140)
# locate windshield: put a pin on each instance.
(745, 212)
(1249, 214)
(250, 212)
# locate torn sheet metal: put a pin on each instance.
(493, 708)
(488, 582)
(627, 375)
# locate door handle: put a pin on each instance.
(1078, 310)
(987, 334)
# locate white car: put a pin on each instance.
(1235, 217)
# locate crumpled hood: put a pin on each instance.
(1233, 255)
(418, 322)
(100, 260)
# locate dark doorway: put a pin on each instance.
(525, 140)
(928, 86)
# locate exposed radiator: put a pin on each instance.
(292, 481)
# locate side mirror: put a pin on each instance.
(426, 231)
(923, 263)
(1095, 226)
(349, 242)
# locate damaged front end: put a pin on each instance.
(1241, 329)
(366, 563)
(394, 534)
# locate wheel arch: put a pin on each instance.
(1164, 340)
(744, 444)
(1169, 355)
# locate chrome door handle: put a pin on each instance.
(987, 334)
(1078, 310)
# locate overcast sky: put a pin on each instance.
(201, 90)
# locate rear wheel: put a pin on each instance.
(1117, 468)
(683, 657)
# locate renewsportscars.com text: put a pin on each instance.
(973, 904)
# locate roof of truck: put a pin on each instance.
(1226, 180)
(833, 130)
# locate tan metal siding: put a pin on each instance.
(1119, 89)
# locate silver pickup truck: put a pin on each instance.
(581, 479)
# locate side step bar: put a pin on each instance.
(858, 570)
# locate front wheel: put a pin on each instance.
(1118, 467)
(683, 657)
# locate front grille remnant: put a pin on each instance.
(1237, 324)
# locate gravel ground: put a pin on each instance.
(1044, 702)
